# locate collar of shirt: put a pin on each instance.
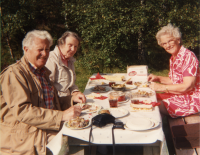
(34, 69)
(64, 60)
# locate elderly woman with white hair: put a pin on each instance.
(182, 87)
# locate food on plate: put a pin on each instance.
(104, 111)
(135, 101)
(146, 84)
(137, 83)
(103, 83)
(77, 123)
(144, 93)
(93, 95)
(111, 83)
(114, 77)
(129, 82)
(99, 88)
(141, 107)
(93, 108)
(86, 106)
(118, 87)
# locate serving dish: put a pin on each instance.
(100, 89)
(118, 87)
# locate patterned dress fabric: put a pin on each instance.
(185, 64)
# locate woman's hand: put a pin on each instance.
(79, 97)
(157, 87)
(152, 78)
(72, 112)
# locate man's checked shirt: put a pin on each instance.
(48, 90)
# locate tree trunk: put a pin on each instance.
(141, 52)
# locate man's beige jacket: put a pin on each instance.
(24, 121)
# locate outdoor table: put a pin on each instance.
(124, 137)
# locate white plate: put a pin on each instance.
(118, 112)
(99, 82)
(127, 99)
(130, 87)
(139, 124)
(66, 124)
(94, 108)
(101, 91)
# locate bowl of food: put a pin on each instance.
(118, 87)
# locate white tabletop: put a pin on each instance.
(104, 135)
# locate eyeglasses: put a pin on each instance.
(169, 42)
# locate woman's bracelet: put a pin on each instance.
(166, 89)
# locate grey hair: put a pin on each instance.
(42, 34)
(61, 40)
(169, 29)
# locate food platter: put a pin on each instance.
(143, 93)
(118, 112)
(92, 107)
(100, 89)
(79, 128)
(141, 124)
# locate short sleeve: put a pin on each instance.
(190, 65)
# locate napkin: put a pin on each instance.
(98, 76)
(155, 104)
(101, 97)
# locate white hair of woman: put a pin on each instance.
(170, 30)
(42, 34)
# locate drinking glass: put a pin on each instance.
(134, 98)
(113, 99)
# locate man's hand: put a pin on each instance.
(72, 112)
(79, 97)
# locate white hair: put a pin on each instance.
(42, 34)
(169, 29)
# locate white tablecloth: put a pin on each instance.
(104, 135)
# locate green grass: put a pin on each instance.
(82, 75)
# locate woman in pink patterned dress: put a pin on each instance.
(182, 87)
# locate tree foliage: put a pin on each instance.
(20, 16)
(115, 33)
(112, 30)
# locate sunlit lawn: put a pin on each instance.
(83, 75)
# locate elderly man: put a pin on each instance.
(30, 107)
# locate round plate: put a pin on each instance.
(100, 91)
(94, 108)
(130, 87)
(99, 82)
(66, 124)
(118, 112)
(138, 124)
